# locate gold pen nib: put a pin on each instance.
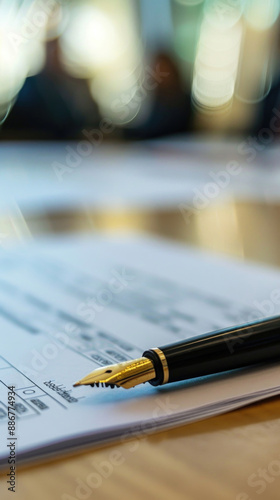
(126, 374)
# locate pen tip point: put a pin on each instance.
(76, 384)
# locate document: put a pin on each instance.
(152, 175)
(56, 176)
(70, 305)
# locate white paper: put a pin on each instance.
(43, 177)
(68, 305)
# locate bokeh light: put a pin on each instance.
(217, 57)
(23, 30)
(261, 15)
(100, 44)
(90, 41)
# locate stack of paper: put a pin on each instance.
(70, 305)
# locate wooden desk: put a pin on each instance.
(231, 457)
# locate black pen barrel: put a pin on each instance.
(218, 351)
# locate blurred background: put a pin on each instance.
(149, 67)
(127, 115)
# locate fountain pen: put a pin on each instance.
(219, 351)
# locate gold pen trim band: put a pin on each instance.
(163, 363)
(129, 373)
